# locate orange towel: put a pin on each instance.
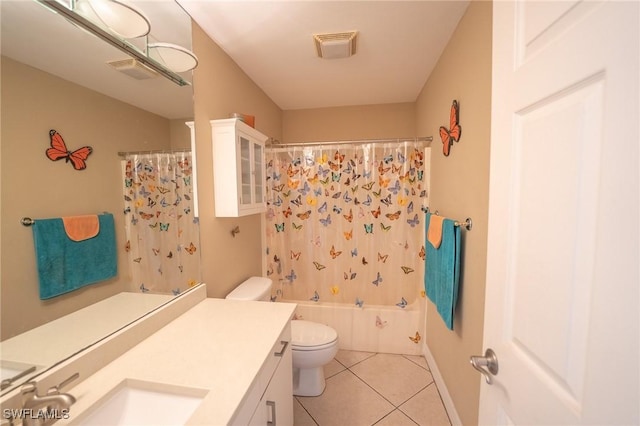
(80, 228)
(434, 235)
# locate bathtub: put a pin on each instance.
(386, 329)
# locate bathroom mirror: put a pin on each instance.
(36, 41)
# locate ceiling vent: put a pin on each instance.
(133, 68)
(336, 45)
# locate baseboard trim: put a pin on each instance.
(442, 388)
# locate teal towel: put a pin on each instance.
(442, 270)
(65, 265)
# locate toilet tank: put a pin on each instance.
(254, 288)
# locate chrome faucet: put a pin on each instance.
(44, 410)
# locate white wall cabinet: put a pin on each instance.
(270, 400)
(239, 179)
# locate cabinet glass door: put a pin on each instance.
(259, 173)
(245, 171)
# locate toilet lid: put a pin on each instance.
(309, 334)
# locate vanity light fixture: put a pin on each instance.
(119, 43)
(336, 45)
(123, 19)
(174, 57)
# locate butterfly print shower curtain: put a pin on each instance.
(162, 234)
(344, 222)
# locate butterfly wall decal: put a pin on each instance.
(413, 222)
(407, 270)
(59, 150)
(378, 280)
(402, 304)
(318, 266)
(333, 253)
(359, 302)
(351, 275)
(452, 134)
(291, 277)
(327, 221)
(416, 338)
(380, 323)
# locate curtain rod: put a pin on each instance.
(157, 151)
(276, 144)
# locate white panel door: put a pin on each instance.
(562, 296)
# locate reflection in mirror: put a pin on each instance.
(56, 76)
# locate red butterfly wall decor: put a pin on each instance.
(59, 150)
(454, 132)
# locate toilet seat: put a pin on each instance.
(311, 336)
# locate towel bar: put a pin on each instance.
(467, 224)
(27, 221)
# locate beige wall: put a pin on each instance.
(223, 88)
(33, 102)
(180, 133)
(460, 189)
(349, 123)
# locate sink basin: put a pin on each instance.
(140, 403)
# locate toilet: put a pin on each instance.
(313, 345)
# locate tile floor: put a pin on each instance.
(366, 389)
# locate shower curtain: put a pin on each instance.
(343, 222)
(162, 234)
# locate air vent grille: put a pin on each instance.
(336, 45)
(133, 68)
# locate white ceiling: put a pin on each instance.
(399, 44)
(34, 35)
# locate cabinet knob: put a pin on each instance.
(272, 405)
(284, 348)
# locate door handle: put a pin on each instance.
(487, 362)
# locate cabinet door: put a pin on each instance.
(279, 395)
(276, 406)
(245, 154)
(258, 173)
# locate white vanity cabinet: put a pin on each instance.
(238, 168)
(273, 389)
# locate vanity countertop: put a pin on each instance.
(218, 346)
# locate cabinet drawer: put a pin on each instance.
(279, 349)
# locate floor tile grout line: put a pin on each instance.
(409, 359)
(395, 407)
(442, 402)
(373, 389)
(305, 409)
(372, 354)
(391, 412)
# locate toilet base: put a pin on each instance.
(308, 381)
